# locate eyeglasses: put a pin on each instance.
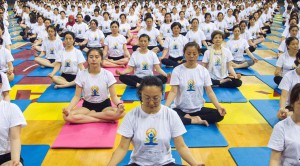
(154, 99)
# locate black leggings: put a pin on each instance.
(135, 47)
(169, 164)
(172, 61)
(7, 157)
(209, 114)
(252, 49)
(277, 79)
(234, 83)
(132, 80)
(268, 29)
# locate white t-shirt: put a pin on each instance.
(62, 23)
(143, 63)
(286, 63)
(10, 116)
(115, 45)
(216, 73)
(52, 48)
(5, 84)
(230, 21)
(191, 82)
(254, 30)
(94, 38)
(38, 28)
(153, 34)
(285, 138)
(184, 24)
(283, 48)
(151, 135)
(289, 80)
(208, 29)
(5, 58)
(221, 26)
(197, 36)
(132, 20)
(95, 87)
(106, 26)
(80, 29)
(165, 30)
(175, 45)
(246, 35)
(99, 19)
(70, 60)
(237, 48)
(175, 17)
(124, 29)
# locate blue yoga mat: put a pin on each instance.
(31, 58)
(57, 95)
(246, 72)
(167, 69)
(268, 40)
(268, 109)
(23, 104)
(130, 94)
(34, 155)
(202, 136)
(251, 156)
(269, 80)
(261, 47)
(126, 159)
(16, 62)
(271, 61)
(14, 51)
(17, 79)
(275, 50)
(227, 95)
(28, 47)
(279, 30)
(41, 72)
(255, 55)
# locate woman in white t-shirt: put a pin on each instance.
(286, 60)
(61, 23)
(6, 60)
(142, 62)
(50, 48)
(173, 47)
(96, 85)
(70, 60)
(133, 20)
(6, 41)
(221, 24)
(188, 81)
(257, 35)
(124, 28)
(4, 87)
(11, 122)
(288, 81)
(79, 29)
(150, 128)
(230, 20)
(245, 34)
(185, 25)
(94, 37)
(196, 35)
(208, 27)
(284, 141)
(105, 24)
(115, 49)
(218, 61)
(293, 32)
(238, 46)
(165, 28)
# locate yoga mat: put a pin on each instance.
(251, 156)
(255, 55)
(261, 47)
(268, 109)
(227, 95)
(23, 104)
(167, 69)
(271, 61)
(16, 79)
(14, 51)
(41, 72)
(130, 94)
(89, 135)
(246, 71)
(57, 95)
(16, 62)
(113, 70)
(34, 155)
(201, 136)
(126, 159)
(275, 50)
(268, 40)
(269, 80)
(31, 58)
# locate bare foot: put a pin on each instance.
(58, 86)
(225, 80)
(198, 120)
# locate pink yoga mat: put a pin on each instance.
(113, 70)
(90, 135)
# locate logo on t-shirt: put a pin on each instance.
(95, 37)
(68, 63)
(218, 62)
(168, 31)
(151, 135)
(294, 67)
(236, 48)
(51, 50)
(124, 30)
(145, 66)
(175, 46)
(191, 85)
(79, 32)
(95, 90)
(220, 28)
(116, 46)
(106, 27)
(208, 30)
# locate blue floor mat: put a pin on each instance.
(17, 79)
(130, 94)
(167, 69)
(275, 50)
(41, 72)
(255, 55)
(126, 159)
(271, 61)
(34, 155)
(14, 51)
(269, 80)
(194, 137)
(57, 95)
(268, 40)
(251, 156)
(261, 47)
(246, 72)
(268, 109)
(227, 95)
(23, 104)
(16, 62)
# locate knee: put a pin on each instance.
(238, 83)
(250, 62)
(219, 118)
(122, 77)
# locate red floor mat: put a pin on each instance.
(24, 54)
(35, 80)
(25, 68)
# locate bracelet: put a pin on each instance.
(118, 104)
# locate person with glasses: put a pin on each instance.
(150, 127)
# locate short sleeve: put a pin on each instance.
(206, 57)
(281, 46)
(203, 37)
(285, 83)
(126, 127)
(106, 42)
(167, 42)
(132, 60)
(9, 57)
(123, 40)
(276, 141)
(207, 79)
(229, 56)
(78, 79)
(110, 79)
(177, 127)
(245, 45)
(58, 57)
(280, 61)
(86, 35)
(101, 35)
(5, 83)
(155, 58)
(175, 76)
(43, 47)
(17, 117)
(80, 57)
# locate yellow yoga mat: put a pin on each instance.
(36, 90)
(240, 113)
(266, 53)
(44, 111)
(263, 68)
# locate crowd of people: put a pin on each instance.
(141, 38)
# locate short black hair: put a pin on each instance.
(294, 96)
(289, 40)
(174, 24)
(149, 81)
